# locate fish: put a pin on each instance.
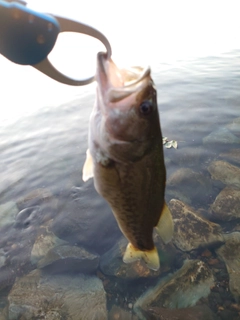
(125, 157)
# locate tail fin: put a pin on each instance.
(165, 224)
(150, 257)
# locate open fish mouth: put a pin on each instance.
(119, 83)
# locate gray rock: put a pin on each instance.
(120, 314)
(225, 172)
(192, 231)
(55, 297)
(190, 156)
(234, 126)
(65, 258)
(230, 254)
(188, 184)
(226, 206)
(221, 136)
(181, 290)
(84, 216)
(232, 155)
(8, 212)
(2, 258)
(201, 312)
(45, 241)
(36, 198)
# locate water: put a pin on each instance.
(45, 151)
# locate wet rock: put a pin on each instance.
(232, 155)
(8, 212)
(45, 241)
(35, 198)
(55, 297)
(27, 217)
(111, 263)
(180, 290)
(65, 258)
(36, 208)
(190, 156)
(117, 313)
(225, 172)
(2, 258)
(201, 312)
(85, 219)
(234, 127)
(188, 184)
(230, 254)
(226, 206)
(192, 231)
(221, 136)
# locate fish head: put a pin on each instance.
(127, 102)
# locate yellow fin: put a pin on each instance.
(87, 167)
(150, 257)
(165, 224)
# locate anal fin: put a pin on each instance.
(87, 167)
(151, 257)
(165, 224)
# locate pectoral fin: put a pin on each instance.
(165, 224)
(150, 257)
(87, 167)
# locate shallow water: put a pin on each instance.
(46, 151)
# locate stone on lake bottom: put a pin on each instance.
(187, 184)
(220, 136)
(225, 172)
(192, 231)
(232, 155)
(43, 243)
(181, 290)
(8, 212)
(230, 254)
(201, 312)
(37, 296)
(65, 258)
(226, 206)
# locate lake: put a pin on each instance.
(46, 207)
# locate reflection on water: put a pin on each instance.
(60, 247)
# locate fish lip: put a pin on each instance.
(111, 79)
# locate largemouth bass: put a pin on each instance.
(125, 157)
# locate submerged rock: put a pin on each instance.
(225, 172)
(201, 312)
(180, 290)
(226, 206)
(232, 155)
(235, 126)
(85, 219)
(43, 243)
(190, 156)
(230, 254)
(55, 297)
(8, 212)
(65, 258)
(188, 184)
(117, 313)
(221, 136)
(192, 231)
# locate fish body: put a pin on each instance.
(125, 157)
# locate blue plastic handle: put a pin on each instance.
(26, 36)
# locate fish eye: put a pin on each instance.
(146, 107)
